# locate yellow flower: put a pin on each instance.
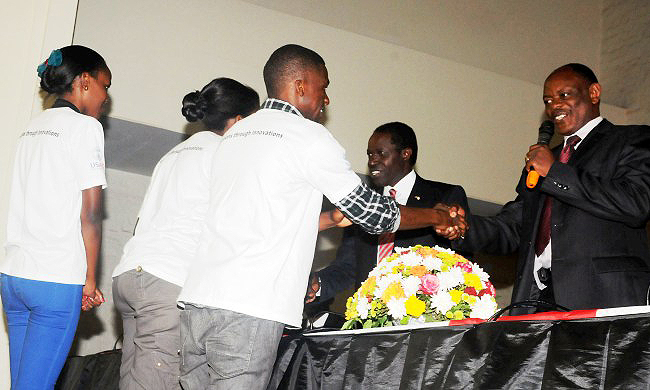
(391, 257)
(419, 270)
(473, 280)
(351, 309)
(455, 295)
(449, 315)
(472, 299)
(394, 290)
(373, 308)
(458, 315)
(425, 251)
(414, 306)
(368, 287)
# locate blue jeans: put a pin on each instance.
(222, 349)
(42, 319)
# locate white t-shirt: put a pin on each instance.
(173, 209)
(60, 154)
(266, 190)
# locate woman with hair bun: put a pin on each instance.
(54, 224)
(149, 277)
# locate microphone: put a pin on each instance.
(544, 137)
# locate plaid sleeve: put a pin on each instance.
(373, 212)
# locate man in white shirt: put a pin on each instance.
(392, 154)
(254, 255)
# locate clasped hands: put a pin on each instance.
(452, 223)
(91, 296)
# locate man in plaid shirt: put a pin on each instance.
(268, 180)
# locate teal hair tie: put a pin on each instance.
(55, 59)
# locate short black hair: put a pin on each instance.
(220, 100)
(75, 60)
(286, 62)
(402, 136)
(581, 70)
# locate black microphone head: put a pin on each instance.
(545, 132)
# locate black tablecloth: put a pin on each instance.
(599, 353)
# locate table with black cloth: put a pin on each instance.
(527, 353)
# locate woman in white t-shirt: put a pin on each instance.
(54, 224)
(152, 270)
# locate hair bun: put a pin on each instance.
(194, 106)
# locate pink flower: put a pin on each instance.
(430, 284)
(467, 267)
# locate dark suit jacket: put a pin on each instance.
(357, 255)
(601, 204)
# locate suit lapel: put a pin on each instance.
(419, 197)
(587, 146)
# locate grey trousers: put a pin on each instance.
(151, 320)
(222, 349)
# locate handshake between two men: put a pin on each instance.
(448, 220)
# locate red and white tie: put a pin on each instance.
(386, 240)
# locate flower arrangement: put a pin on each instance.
(421, 284)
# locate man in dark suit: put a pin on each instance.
(392, 153)
(580, 232)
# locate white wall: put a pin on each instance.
(473, 125)
(30, 30)
(626, 57)
(522, 39)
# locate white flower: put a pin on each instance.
(476, 269)
(411, 259)
(396, 308)
(363, 307)
(432, 263)
(385, 281)
(411, 285)
(484, 307)
(417, 321)
(442, 302)
(446, 250)
(450, 279)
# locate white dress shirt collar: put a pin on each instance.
(584, 131)
(403, 188)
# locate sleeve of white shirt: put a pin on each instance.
(326, 167)
(88, 156)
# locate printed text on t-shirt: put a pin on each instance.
(40, 132)
(254, 132)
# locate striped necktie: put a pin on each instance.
(386, 240)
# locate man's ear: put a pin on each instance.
(594, 93)
(300, 87)
(406, 153)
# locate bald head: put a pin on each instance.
(287, 64)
